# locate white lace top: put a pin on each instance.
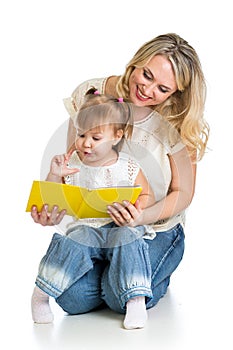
(121, 173)
(152, 140)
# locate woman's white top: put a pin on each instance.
(152, 141)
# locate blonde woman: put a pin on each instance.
(165, 75)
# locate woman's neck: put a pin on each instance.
(139, 113)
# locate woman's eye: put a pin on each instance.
(163, 90)
(147, 75)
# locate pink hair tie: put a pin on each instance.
(120, 99)
(96, 92)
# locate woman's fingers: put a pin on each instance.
(34, 214)
(122, 213)
(56, 216)
(46, 218)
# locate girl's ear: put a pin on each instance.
(118, 136)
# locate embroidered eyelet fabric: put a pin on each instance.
(121, 173)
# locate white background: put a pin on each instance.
(48, 47)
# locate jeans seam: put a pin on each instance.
(135, 292)
(164, 257)
(47, 288)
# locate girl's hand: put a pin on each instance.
(59, 166)
(46, 218)
(126, 214)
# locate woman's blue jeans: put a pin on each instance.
(92, 267)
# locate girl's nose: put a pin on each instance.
(87, 142)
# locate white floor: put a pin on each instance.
(191, 317)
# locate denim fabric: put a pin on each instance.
(114, 269)
(165, 253)
(67, 261)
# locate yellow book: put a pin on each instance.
(79, 201)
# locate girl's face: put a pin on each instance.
(95, 146)
(152, 84)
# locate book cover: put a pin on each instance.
(79, 201)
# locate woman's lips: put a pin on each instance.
(140, 96)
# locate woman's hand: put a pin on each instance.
(125, 213)
(46, 218)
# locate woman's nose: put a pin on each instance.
(149, 90)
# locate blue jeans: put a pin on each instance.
(118, 265)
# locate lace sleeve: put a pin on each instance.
(73, 103)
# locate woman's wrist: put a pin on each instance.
(147, 216)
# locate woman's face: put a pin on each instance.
(152, 84)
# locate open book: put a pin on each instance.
(79, 201)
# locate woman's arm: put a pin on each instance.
(146, 197)
(180, 195)
(181, 189)
(71, 134)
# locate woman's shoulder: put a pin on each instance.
(156, 128)
(97, 83)
(73, 102)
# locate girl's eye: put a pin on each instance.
(96, 138)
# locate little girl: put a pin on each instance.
(103, 124)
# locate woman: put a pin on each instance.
(165, 75)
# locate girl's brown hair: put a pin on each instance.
(99, 110)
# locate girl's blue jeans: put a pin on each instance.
(91, 267)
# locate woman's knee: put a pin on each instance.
(158, 292)
(113, 302)
(110, 295)
(76, 302)
(83, 295)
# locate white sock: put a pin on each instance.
(136, 314)
(41, 311)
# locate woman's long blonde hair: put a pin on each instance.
(184, 109)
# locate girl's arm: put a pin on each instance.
(180, 195)
(58, 169)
